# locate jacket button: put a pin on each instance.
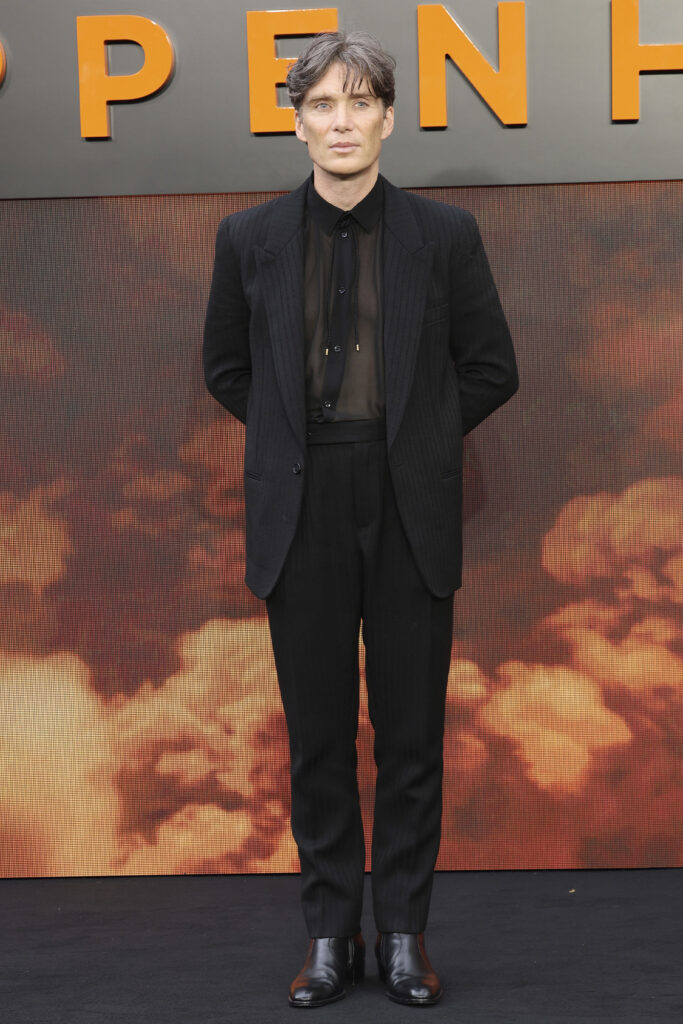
(296, 468)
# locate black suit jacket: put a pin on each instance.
(448, 356)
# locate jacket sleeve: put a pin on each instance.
(225, 353)
(480, 342)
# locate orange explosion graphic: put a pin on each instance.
(142, 726)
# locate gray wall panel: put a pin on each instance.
(194, 136)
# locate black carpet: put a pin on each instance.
(509, 946)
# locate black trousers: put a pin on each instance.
(350, 563)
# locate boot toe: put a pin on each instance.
(417, 991)
(318, 995)
(414, 992)
(314, 991)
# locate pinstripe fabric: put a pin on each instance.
(350, 560)
(449, 363)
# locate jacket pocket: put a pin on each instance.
(435, 313)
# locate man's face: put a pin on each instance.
(344, 130)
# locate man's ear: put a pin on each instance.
(299, 127)
(388, 124)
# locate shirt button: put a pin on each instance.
(296, 468)
(337, 348)
(342, 290)
(344, 234)
(327, 404)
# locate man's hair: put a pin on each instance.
(360, 53)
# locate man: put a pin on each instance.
(357, 331)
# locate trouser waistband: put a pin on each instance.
(345, 430)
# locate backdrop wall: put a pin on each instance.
(142, 730)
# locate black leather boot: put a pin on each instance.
(330, 963)
(404, 967)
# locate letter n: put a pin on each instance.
(505, 90)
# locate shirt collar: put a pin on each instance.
(367, 212)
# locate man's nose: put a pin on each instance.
(342, 118)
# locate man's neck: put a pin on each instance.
(344, 192)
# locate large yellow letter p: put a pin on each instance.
(97, 87)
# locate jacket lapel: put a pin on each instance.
(407, 267)
(281, 269)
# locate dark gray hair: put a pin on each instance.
(360, 53)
